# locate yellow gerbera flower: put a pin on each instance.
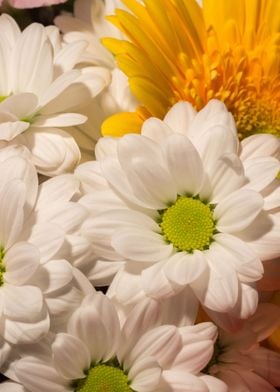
(177, 50)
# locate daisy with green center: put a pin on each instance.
(187, 211)
(40, 91)
(97, 354)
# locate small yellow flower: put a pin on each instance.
(176, 50)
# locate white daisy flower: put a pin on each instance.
(37, 286)
(38, 90)
(239, 359)
(89, 24)
(96, 353)
(186, 210)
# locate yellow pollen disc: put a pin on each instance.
(188, 224)
(176, 50)
(103, 378)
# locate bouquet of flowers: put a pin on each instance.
(139, 196)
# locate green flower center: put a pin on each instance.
(2, 266)
(188, 224)
(103, 378)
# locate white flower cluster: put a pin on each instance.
(177, 221)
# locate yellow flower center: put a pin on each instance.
(103, 378)
(188, 224)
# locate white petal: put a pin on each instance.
(109, 317)
(248, 301)
(119, 183)
(180, 309)
(263, 236)
(181, 381)
(48, 238)
(59, 85)
(60, 120)
(67, 215)
(214, 143)
(195, 354)
(180, 116)
(87, 325)
(37, 375)
(12, 387)
(238, 210)
(22, 302)
(60, 188)
(70, 355)
(17, 167)
(149, 182)
(142, 318)
(227, 166)
(155, 129)
(21, 105)
(145, 375)
(261, 172)
(213, 114)
(53, 150)
(34, 64)
(240, 256)
(55, 274)
(162, 343)
(184, 164)
(217, 289)
(11, 128)
(21, 261)
(141, 245)
(11, 212)
(184, 268)
(214, 384)
(155, 283)
(261, 145)
(31, 330)
(106, 147)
